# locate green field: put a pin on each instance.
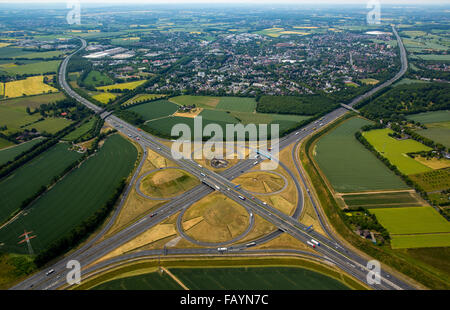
(431, 117)
(96, 78)
(396, 150)
(158, 113)
(80, 131)
(237, 278)
(237, 104)
(17, 52)
(32, 101)
(412, 220)
(165, 124)
(11, 152)
(382, 200)
(50, 125)
(404, 224)
(438, 126)
(357, 168)
(149, 281)
(420, 241)
(43, 55)
(5, 143)
(409, 81)
(207, 102)
(434, 180)
(438, 131)
(26, 180)
(255, 278)
(34, 68)
(74, 198)
(218, 116)
(155, 109)
(13, 114)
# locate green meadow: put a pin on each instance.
(396, 150)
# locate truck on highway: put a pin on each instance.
(311, 244)
(202, 174)
(242, 198)
(222, 249)
(315, 242)
(217, 187)
(250, 244)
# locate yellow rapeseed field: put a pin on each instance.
(33, 85)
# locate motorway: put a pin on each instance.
(330, 249)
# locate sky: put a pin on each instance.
(402, 2)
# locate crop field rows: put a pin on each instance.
(438, 126)
(80, 131)
(383, 200)
(358, 169)
(8, 154)
(235, 278)
(62, 208)
(411, 222)
(279, 278)
(26, 180)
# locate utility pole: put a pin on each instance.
(27, 239)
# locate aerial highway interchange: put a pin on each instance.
(331, 249)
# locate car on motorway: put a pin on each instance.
(153, 215)
(50, 272)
